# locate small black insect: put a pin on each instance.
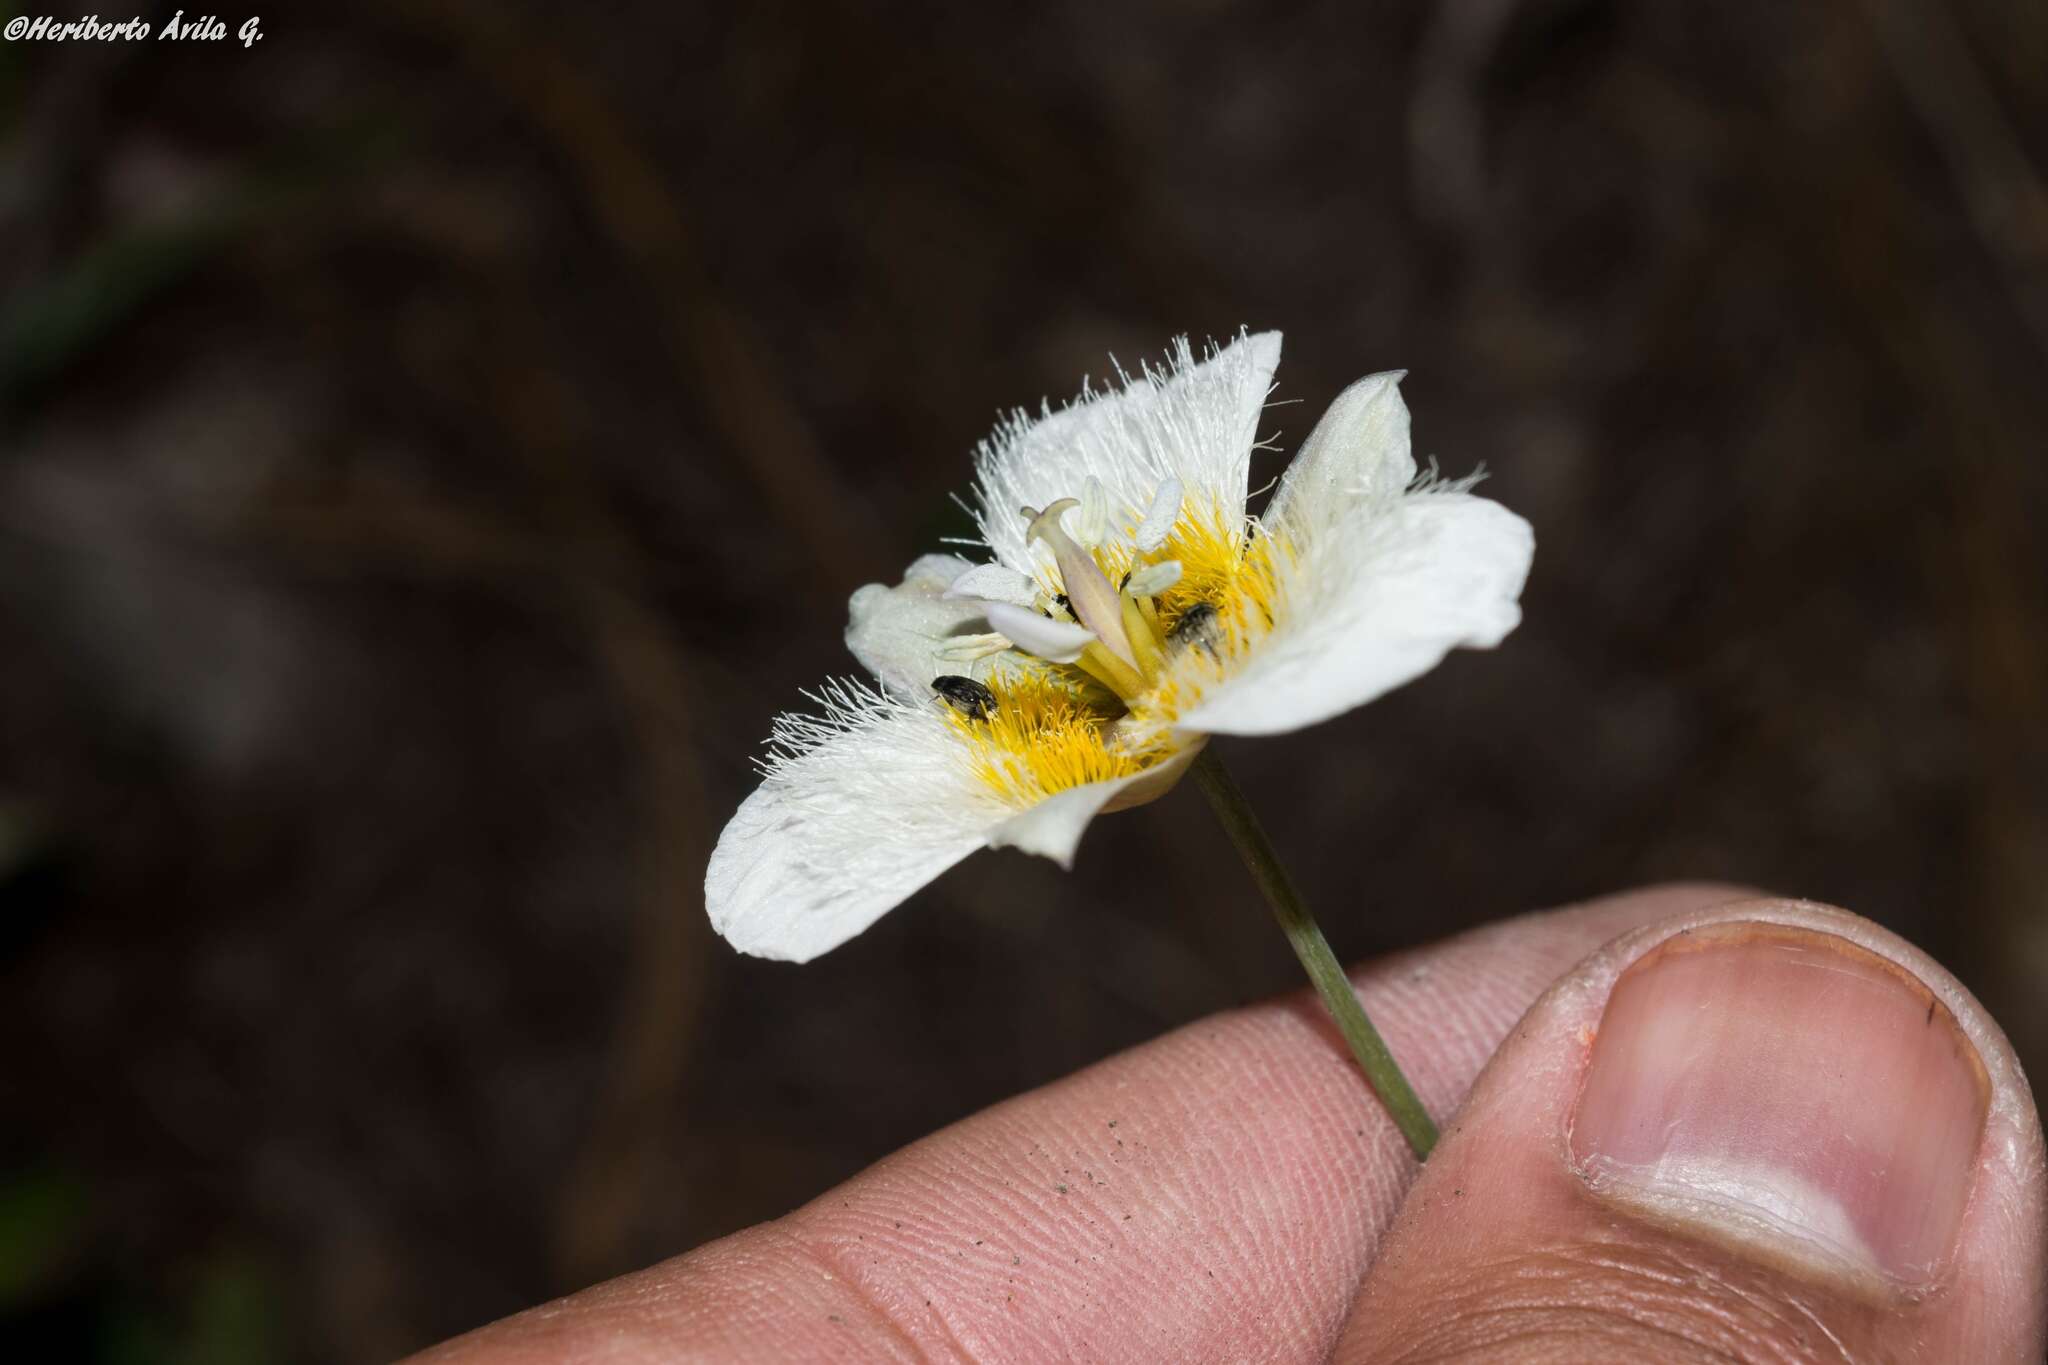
(1066, 605)
(1197, 628)
(965, 695)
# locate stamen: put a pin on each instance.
(993, 583)
(965, 649)
(1149, 609)
(1091, 523)
(1044, 739)
(1159, 517)
(1153, 579)
(1112, 672)
(1151, 650)
(1059, 642)
(1095, 602)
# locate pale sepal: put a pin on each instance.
(900, 634)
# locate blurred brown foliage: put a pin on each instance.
(439, 438)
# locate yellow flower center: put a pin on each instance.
(1047, 735)
(1055, 727)
(1225, 567)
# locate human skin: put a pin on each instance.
(1683, 1123)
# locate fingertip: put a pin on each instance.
(1747, 1121)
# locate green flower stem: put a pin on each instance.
(1306, 938)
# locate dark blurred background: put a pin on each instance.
(438, 439)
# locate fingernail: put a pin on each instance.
(1789, 1089)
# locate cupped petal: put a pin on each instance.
(1052, 828)
(899, 633)
(859, 808)
(1372, 603)
(1193, 421)
(1357, 456)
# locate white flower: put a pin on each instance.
(1132, 608)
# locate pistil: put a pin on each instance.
(1094, 600)
(1145, 641)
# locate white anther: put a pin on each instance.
(966, 649)
(1058, 642)
(1091, 521)
(994, 583)
(1159, 517)
(1153, 579)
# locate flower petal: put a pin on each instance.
(898, 633)
(1191, 421)
(1052, 828)
(1373, 603)
(859, 809)
(1357, 455)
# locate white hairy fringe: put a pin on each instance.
(846, 706)
(1126, 436)
(1433, 480)
(873, 782)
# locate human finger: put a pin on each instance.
(1216, 1193)
(1764, 1131)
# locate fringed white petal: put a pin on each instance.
(859, 808)
(1372, 603)
(901, 634)
(1052, 828)
(1357, 456)
(1194, 422)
